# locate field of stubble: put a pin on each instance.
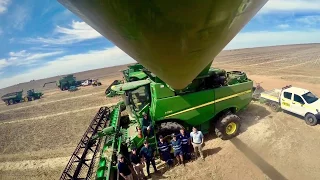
(37, 138)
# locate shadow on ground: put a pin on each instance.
(253, 115)
(264, 166)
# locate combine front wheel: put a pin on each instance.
(228, 126)
(167, 128)
(26, 99)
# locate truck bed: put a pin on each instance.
(272, 95)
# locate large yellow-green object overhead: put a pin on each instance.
(174, 39)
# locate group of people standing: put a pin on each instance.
(181, 145)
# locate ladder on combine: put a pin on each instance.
(83, 159)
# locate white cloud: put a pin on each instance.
(71, 64)
(265, 38)
(309, 20)
(4, 5)
(283, 26)
(291, 6)
(25, 58)
(79, 31)
(19, 16)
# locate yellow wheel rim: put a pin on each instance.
(231, 128)
(26, 99)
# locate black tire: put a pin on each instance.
(167, 128)
(11, 102)
(311, 120)
(274, 106)
(225, 122)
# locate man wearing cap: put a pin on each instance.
(197, 141)
(147, 127)
(136, 163)
(148, 153)
(185, 140)
(177, 149)
(164, 150)
(124, 169)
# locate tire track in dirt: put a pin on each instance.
(56, 114)
(50, 163)
(49, 102)
(287, 67)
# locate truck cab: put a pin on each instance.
(301, 102)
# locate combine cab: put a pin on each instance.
(134, 72)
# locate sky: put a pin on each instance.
(41, 39)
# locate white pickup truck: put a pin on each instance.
(295, 100)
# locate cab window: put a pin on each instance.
(298, 99)
(287, 95)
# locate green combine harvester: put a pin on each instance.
(17, 97)
(134, 72)
(176, 41)
(65, 82)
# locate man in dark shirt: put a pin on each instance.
(164, 150)
(147, 152)
(147, 126)
(177, 149)
(124, 169)
(185, 141)
(136, 163)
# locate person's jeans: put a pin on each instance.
(129, 177)
(145, 131)
(148, 165)
(196, 148)
(139, 170)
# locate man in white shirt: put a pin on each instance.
(197, 141)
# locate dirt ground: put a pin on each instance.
(37, 138)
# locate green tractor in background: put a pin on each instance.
(17, 97)
(65, 82)
(134, 72)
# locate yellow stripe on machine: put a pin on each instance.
(209, 103)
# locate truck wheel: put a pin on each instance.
(274, 106)
(167, 128)
(311, 119)
(228, 126)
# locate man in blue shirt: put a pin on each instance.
(197, 141)
(164, 150)
(147, 127)
(124, 169)
(177, 149)
(185, 140)
(147, 152)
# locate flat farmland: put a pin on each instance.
(299, 63)
(37, 138)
